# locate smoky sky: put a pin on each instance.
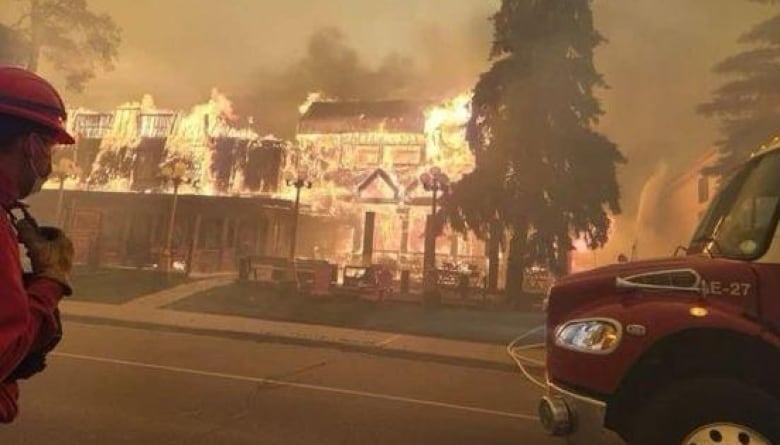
(267, 55)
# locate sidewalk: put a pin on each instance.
(150, 311)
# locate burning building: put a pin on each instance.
(142, 180)
(366, 160)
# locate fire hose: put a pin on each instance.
(515, 350)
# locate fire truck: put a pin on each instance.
(683, 350)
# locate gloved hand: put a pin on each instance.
(50, 251)
(35, 361)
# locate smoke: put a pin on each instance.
(329, 66)
(658, 62)
(12, 47)
(335, 69)
(647, 239)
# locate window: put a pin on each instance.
(155, 125)
(404, 154)
(741, 221)
(92, 126)
(367, 155)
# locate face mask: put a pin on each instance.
(39, 160)
(38, 184)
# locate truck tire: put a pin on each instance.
(709, 411)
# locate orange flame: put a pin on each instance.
(445, 135)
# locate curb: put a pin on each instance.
(355, 347)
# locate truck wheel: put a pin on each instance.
(709, 411)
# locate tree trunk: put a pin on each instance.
(563, 264)
(515, 270)
(494, 247)
(35, 37)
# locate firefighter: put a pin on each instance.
(32, 118)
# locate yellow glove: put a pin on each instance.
(50, 252)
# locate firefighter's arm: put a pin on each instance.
(16, 317)
(27, 317)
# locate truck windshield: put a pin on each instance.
(741, 221)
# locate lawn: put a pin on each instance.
(118, 286)
(490, 326)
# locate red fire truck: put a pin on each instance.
(684, 350)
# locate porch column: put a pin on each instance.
(272, 237)
(454, 246)
(193, 251)
(368, 238)
(261, 235)
(223, 244)
(357, 239)
(125, 236)
(404, 231)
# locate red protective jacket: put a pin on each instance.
(27, 319)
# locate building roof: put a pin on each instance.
(363, 116)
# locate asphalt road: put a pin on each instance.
(110, 385)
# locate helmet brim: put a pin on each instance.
(55, 125)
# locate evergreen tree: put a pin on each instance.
(748, 105)
(74, 39)
(543, 175)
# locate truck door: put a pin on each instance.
(768, 270)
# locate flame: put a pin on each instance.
(445, 136)
(189, 138)
(401, 155)
(312, 97)
(192, 140)
(125, 131)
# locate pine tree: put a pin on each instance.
(748, 105)
(75, 40)
(543, 174)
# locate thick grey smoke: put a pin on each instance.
(333, 67)
(330, 66)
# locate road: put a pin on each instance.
(112, 385)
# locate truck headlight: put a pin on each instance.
(595, 336)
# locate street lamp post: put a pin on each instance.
(299, 183)
(435, 181)
(175, 173)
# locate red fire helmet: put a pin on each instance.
(28, 96)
